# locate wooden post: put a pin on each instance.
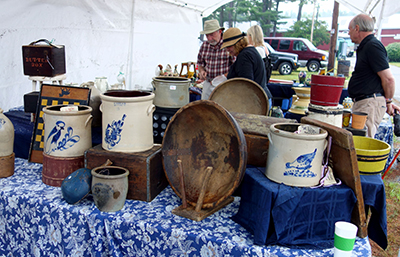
(182, 178)
(203, 189)
(334, 33)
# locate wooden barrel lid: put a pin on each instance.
(203, 134)
(241, 95)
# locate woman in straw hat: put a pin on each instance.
(248, 62)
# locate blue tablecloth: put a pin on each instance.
(36, 221)
(291, 216)
(374, 196)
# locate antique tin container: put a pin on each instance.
(47, 60)
(171, 92)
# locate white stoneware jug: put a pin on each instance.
(101, 84)
(6, 135)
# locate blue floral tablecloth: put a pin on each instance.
(36, 221)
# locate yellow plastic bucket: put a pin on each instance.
(372, 154)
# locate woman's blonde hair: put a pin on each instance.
(256, 34)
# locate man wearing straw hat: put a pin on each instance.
(372, 84)
(211, 60)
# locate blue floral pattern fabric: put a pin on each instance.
(36, 221)
(385, 134)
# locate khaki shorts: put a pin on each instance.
(376, 109)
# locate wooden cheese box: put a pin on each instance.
(45, 60)
(146, 174)
(256, 130)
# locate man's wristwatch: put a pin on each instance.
(389, 100)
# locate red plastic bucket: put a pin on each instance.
(326, 90)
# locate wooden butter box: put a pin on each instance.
(45, 60)
(146, 174)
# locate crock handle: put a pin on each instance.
(269, 138)
(89, 121)
(151, 109)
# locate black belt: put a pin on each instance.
(362, 97)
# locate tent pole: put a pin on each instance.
(129, 69)
(334, 33)
(378, 36)
(312, 23)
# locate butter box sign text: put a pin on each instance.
(35, 62)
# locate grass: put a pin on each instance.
(393, 190)
(397, 64)
(294, 75)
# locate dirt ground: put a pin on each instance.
(392, 188)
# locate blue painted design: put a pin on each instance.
(113, 132)
(64, 91)
(55, 142)
(2, 122)
(301, 166)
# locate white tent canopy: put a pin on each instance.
(101, 38)
(375, 8)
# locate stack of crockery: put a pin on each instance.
(67, 135)
(324, 101)
(127, 141)
(171, 93)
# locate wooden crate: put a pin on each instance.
(343, 158)
(146, 175)
(256, 130)
(46, 60)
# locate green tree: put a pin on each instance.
(265, 12)
(303, 29)
(393, 51)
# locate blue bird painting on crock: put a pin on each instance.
(301, 166)
(57, 140)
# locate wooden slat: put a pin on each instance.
(257, 124)
(343, 159)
